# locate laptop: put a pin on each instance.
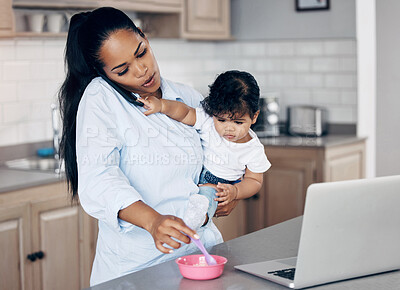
(350, 229)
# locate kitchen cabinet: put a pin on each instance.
(130, 5)
(189, 19)
(283, 193)
(206, 19)
(49, 243)
(234, 225)
(6, 18)
(15, 241)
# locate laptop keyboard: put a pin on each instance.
(285, 273)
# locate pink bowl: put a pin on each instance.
(194, 267)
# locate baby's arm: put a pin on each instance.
(250, 185)
(173, 109)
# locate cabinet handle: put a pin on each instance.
(39, 255)
(31, 257)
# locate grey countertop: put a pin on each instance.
(310, 141)
(279, 241)
(13, 179)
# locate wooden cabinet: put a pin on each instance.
(49, 242)
(168, 2)
(6, 18)
(290, 180)
(55, 232)
(344, 162)
(189, 19)
(15, 243)
(206, 19)
(234, 225)
(282, 196)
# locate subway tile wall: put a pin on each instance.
(318, 72)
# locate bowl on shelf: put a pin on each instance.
(195, 267)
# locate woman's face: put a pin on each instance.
(130, 62)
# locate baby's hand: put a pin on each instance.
(151, 104)
(227, 193)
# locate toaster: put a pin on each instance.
(267, 124)
(307, 120)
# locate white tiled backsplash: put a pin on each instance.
(318, 72)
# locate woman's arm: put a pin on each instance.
(162, 227)
(250, 185)
(173, 109)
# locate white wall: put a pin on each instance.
(388, 88)
(278, 19)
(30, 74)
(366, 53)
(321, 72)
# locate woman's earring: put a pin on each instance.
(141, 33)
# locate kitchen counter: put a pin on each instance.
(13, 179)
(280, 241)
(310, 142)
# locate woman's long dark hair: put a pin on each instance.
(86, 35)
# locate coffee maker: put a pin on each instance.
(267, 124)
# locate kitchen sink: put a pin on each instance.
(36, 164)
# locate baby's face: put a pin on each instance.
(234, 129)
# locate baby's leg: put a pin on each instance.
(201, 205)
(209, 192)
(196, 211)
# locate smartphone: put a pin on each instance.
(124, 93)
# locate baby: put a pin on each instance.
(234, 158)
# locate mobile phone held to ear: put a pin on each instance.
(124, 93)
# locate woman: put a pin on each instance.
(135, 172)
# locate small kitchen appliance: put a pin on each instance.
(305, 120)
(267, 124)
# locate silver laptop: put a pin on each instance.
(350, 229)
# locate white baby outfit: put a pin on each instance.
(225, 159)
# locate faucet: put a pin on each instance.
(55, 117)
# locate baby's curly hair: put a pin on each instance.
(233, 92)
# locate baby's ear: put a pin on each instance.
(255, 117)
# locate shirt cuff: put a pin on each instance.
(123, 200)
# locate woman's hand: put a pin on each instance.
(151, 104)
(226, 193)
(161, 227)
(166, 227)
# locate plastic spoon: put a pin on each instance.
(209, 259)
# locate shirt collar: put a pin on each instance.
(168, 92)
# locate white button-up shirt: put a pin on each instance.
(124, 156)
